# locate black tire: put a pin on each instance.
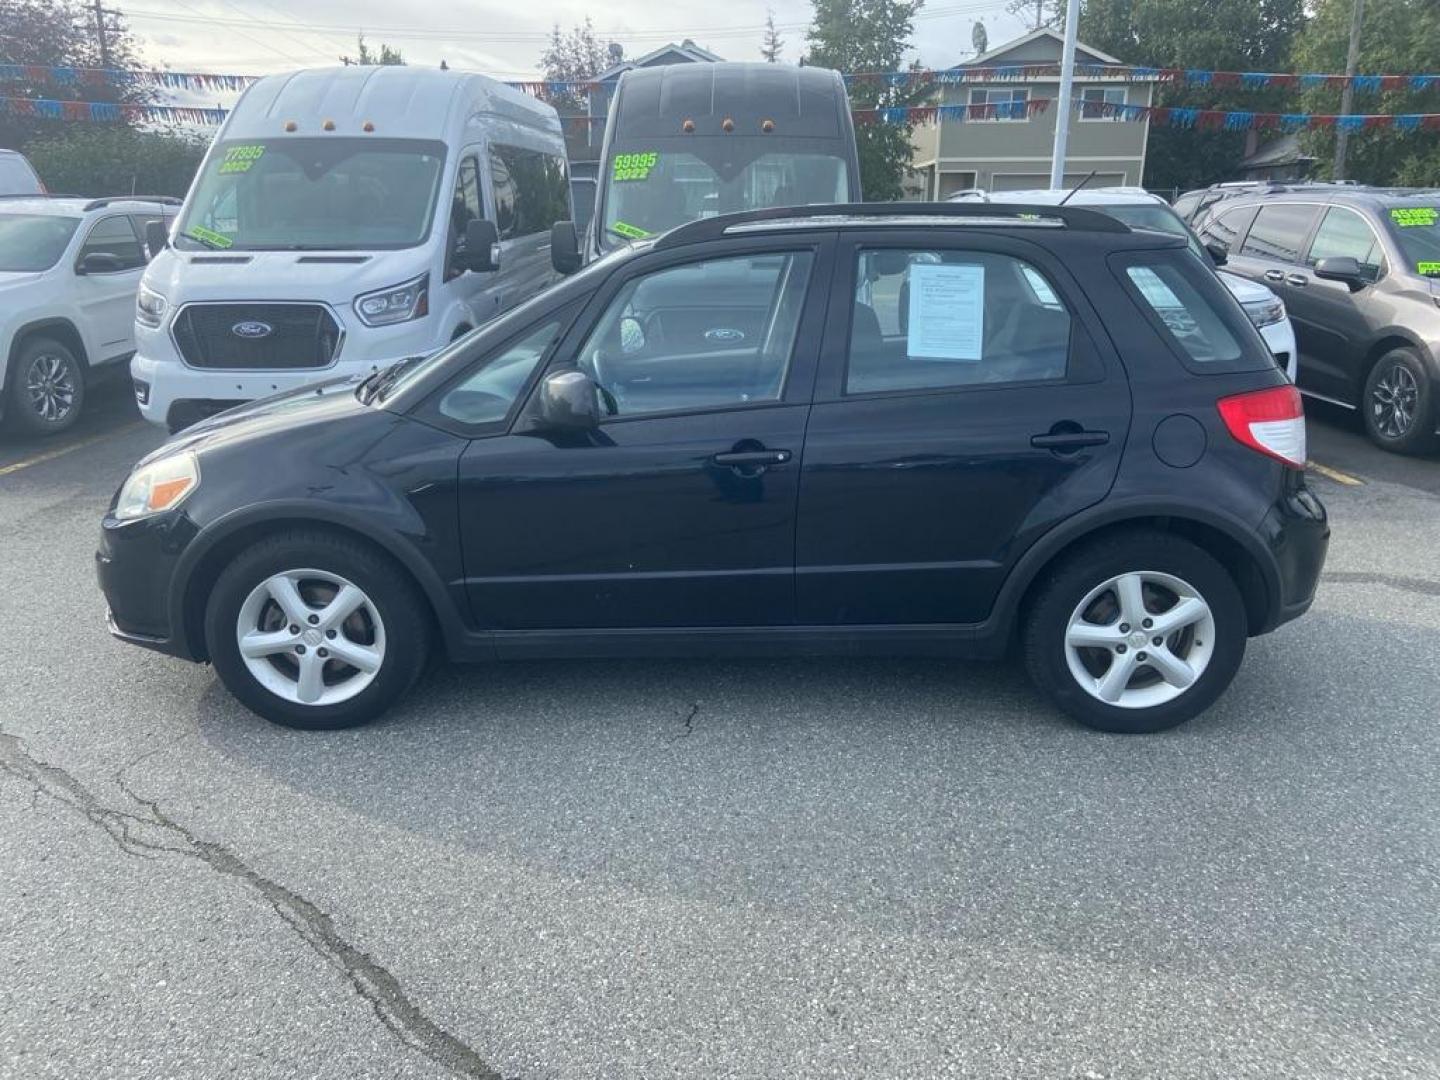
(1402, 368)
(65, 377)
(400, 605)
(1071, 580)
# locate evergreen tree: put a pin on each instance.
(772, 44)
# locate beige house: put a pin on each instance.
(1006, 154)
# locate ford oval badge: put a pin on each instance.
(724, 334)
(251, 329)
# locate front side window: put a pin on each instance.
(1279, 232)
(30, 243)
(1343, 233)
(1188, 315)
(1227, 227)
(304, 194)
(114, 237)
(933, 319)
(487, 393)
(1009, 103)
(1416, 230)
(709, 335)
(466, 206)
(1094, 99)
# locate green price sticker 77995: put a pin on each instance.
(238, 159)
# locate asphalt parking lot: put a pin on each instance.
(740, 869)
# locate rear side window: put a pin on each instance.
(1279, 232)
(1195, 313)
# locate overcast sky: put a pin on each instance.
(501, 39)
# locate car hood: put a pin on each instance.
(333, 277)
(1245, 290)
(14, 279)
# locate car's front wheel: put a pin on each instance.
(1137, 634)
(46, 386)
(1399, 406)
(314, 631)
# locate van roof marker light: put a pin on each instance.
(767, 126)
(727, 125)
(290, 125)
(688, 127)
(369, 125)
(328, 125)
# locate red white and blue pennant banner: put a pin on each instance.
(108, 111)
(77, 76)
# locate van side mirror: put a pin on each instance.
(1218, 255)
(568, 401)
(157, 235)
(100, 262)
(564, 247)
(482, 245)
(1341, 268)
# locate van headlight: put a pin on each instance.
(159, 486)
(149, 306)
(396, 304)
(1265, 312)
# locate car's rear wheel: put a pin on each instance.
(46, 386)
(314, 631)
(1399, 404)
(1137, 634)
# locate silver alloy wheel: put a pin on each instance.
(310, 637)
(1394, 401)
(50, 386)
(1140, 639)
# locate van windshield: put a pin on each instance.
(303, 194)
(1417, 230)
(649, 190)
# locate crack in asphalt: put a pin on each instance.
(153, 833)
(1421, 586)
(688, 722)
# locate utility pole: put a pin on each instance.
(1347, 95)
(1062, 101)
(100, 28)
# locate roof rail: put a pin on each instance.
(38, 195)
(1071, 217)
(100, 204)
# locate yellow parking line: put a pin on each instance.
(51, 455)
(1334, 474)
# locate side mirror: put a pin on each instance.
(569, 401)
(157, 236)
(564, 247)
(100, 262)
(482, 245)
(1342, 268)
(1218, 255)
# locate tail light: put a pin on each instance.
(1271, 421)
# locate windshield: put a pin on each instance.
(309, 194)
(649, 191)
(33, 242)
(1156, 218)
(1417, 230)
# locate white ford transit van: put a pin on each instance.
(345, 219)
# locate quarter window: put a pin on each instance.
(115, 236)
(1279, 232)
(930, 320)
(1344, 232)
(1224, 229)
(709, 335)
(1190, 318)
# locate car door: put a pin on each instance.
(106, 298)
(968, 400)
(1330, 319)
(679, 509)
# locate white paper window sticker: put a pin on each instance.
(947, 312)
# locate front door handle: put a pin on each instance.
(749, 459)
(1296, 279)
(1066, 442)
(1274, 275)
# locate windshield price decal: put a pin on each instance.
(634, 166)
(209, 236)
(631, 232)
(1427, 269)
(239, 158)
(1410, 217)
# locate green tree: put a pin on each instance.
(772, 44)
(58, 33)
(870, 36)
(573, 56)
(1398, 37)
(1038, 13)
(386, 57)
(1223, 35)
(111, 159)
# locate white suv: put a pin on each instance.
(69, 268)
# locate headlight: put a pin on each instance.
(161, 485)
(398, 303)
(1265, 312)
(149, 306)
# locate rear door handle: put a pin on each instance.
(1296, 279)
(1274, 275)
(751, 458)
(1064, 442)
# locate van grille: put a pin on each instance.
(260, 336)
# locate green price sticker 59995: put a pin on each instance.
(634, 166)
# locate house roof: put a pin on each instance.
(1285, 150)
(687, 52)
(994, 54)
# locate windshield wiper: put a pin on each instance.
(379, 383)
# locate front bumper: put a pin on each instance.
(135, 564)
(1280, 337)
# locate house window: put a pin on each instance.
(1093, 98)
(1009, 103)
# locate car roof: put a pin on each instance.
(1349, 194)
(1104, 196)
(79, 205)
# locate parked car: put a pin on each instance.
(17, 175)
(1041, 426)
(1359, 271)
(69, 268)
(1191, 206)
(344, 219)
(1139, 209)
